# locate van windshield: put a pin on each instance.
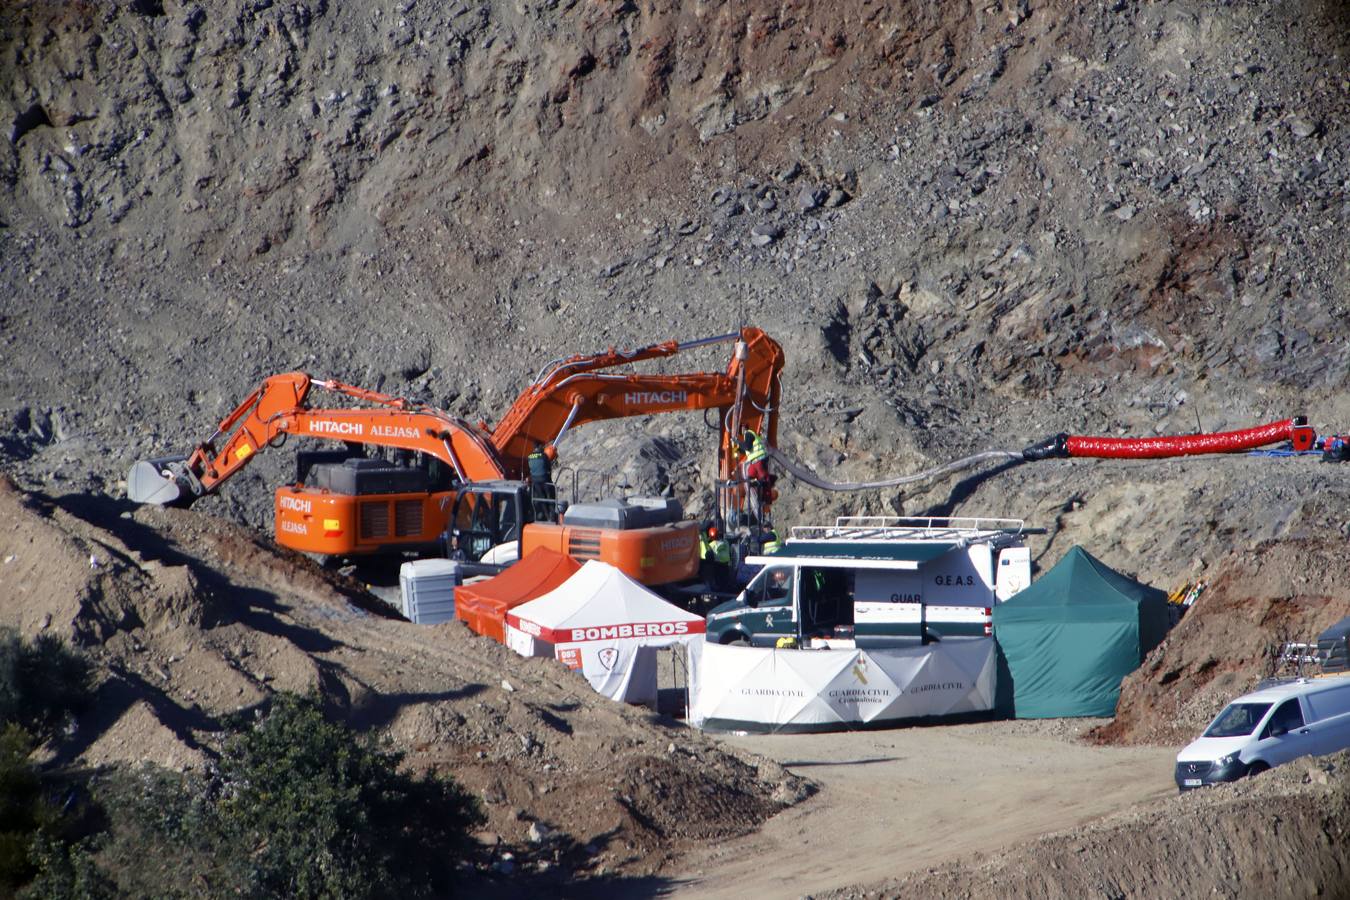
(1237, 720)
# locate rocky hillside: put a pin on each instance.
(971, 225)
(980, 224)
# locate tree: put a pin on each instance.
(312, 809)
(42, 682)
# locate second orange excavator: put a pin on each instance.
(452, 477)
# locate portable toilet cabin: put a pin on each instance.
(427, 590)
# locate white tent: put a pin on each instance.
(763, 689)
(606, 625)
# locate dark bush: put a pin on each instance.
(300, 807)
(42, 683)
(315, 810)
(66, 871)
(22, 810)
(164, 837)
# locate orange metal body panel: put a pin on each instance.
(319, 521)
(663, 554)
(575, 391)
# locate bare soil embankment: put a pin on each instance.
(1258, 598)
(1280, 835)
(190, 618)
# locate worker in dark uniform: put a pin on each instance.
(542, 492)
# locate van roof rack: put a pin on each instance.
(1295, 661)
(904, 529)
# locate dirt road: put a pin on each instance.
(908, 799)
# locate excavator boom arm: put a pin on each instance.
(278, 408)
(245, 430)
(574, 392)
(757, 367)
(451, 440)
(567, 393)
(593, 397)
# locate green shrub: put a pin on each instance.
(164, 836)
(42, 682)
(33, 846)
(314, 810)
(300, 808)
(66, 871)
(22, 811)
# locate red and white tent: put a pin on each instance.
(606, 625)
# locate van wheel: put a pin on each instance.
(1256, 768)
(732, 639)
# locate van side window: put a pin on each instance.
(774, 586)
(1287, 716)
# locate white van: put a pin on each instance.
(879, 581)
(1272, 725)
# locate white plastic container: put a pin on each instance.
(428, 590)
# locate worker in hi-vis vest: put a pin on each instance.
(714, 556)
(757, 466)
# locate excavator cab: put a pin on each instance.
(492, 524)
(486, 523)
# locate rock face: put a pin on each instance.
(1106, 218)
(970, 226)
(970, 229)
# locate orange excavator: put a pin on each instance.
(574, 391)
(454, 480)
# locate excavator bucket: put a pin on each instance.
(156, 481)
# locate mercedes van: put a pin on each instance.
(873, 582)
(1270, 726)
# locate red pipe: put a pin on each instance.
(1292, 430)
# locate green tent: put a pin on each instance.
(1070, 638)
